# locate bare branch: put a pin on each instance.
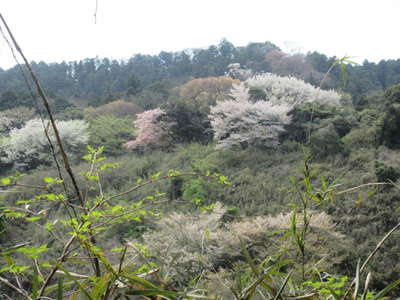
(18, 290)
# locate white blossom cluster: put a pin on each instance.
(291, 90)
(237, 72)
(28, 147)
(184, 246)
(5, 124)
(240, 121)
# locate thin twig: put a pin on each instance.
(39, 187)
(377, 247)
(17, 281)
(361, 186)
(19, 291)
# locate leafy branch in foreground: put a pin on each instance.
(84, 225)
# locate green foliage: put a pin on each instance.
(386, 173)
(9, 99)
(195, 190)
(110, 132)
(392, 95)
(361, 137)
(71, 113)
(257, 94)
(134, 85)
(117, 108)
(390, 127)
(299, 127)
(326, 142)
(59, 105)
(190, 123)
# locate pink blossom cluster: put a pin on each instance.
(152, 131)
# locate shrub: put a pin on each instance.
(188, 122)
(361, 137)
(118, 108)
(71, 113)
(390, 126)
(207, 91)
(203, 244)
(110, 132)
(326, 141)
(386, 173)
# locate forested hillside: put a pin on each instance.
(230, 173)
(96, 81)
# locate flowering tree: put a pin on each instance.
(27, 147)
(152, 131)
(290, 90)
(243, 120)
(198, 243)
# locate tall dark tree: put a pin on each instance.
(134, 85)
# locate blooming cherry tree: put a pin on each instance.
(290, 90)
(27, 147)
(152, 131)
(241, 121)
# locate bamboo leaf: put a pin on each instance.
(35, 283)
(101, 286)
(367, 281)
(357, 279)
(60, 288)
(278, 294)
(157, 292)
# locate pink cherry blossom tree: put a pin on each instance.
(152, 131)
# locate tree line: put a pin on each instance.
(99, 81)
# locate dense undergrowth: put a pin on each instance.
(260, 187)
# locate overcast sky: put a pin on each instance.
(57, 30)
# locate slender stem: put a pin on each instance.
(361, 186)
(55, 268)
(18, 290)
(40, 187)
(377, 247)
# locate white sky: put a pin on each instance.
(56, 30)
